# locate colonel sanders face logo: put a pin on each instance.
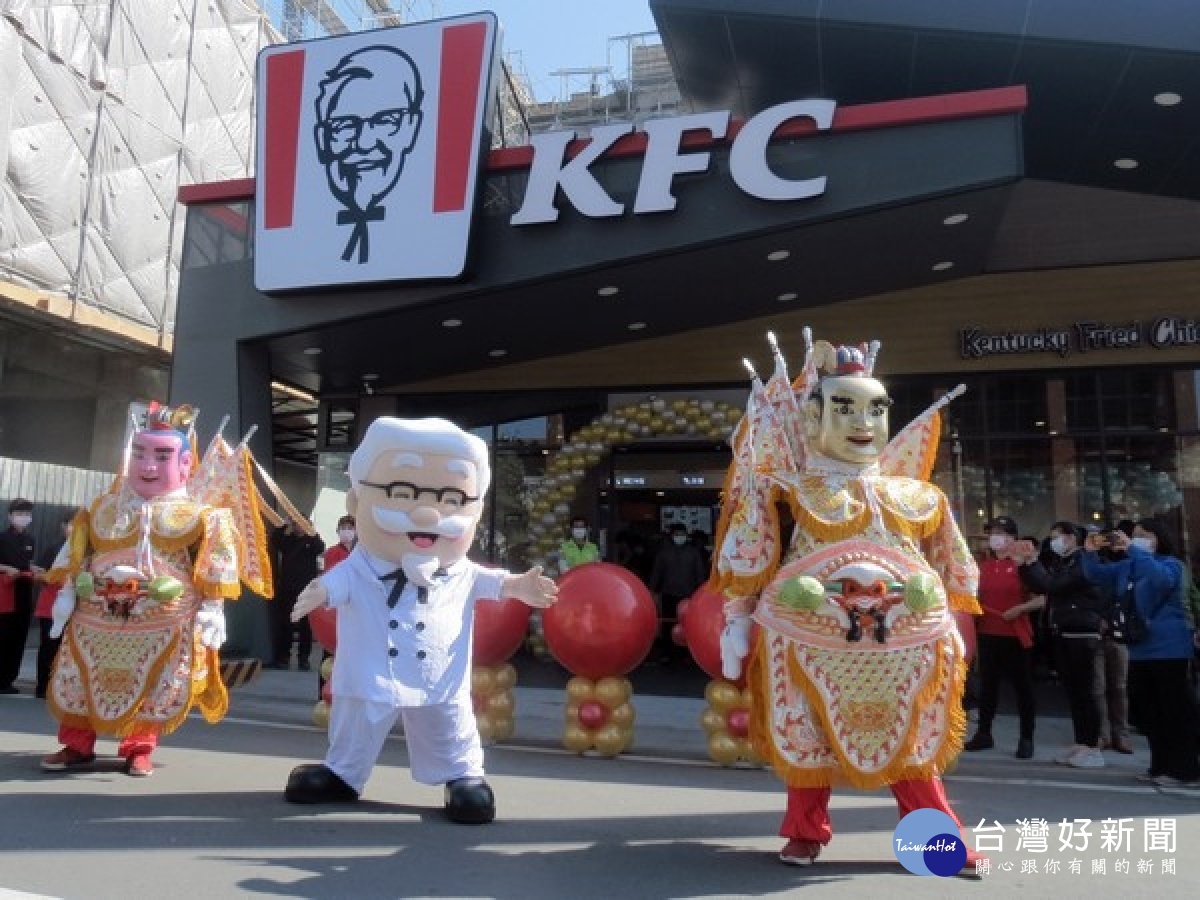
(368, 119)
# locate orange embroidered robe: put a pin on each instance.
(129, 664)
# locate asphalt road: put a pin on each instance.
(211, 822)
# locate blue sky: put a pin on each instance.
(561, 34)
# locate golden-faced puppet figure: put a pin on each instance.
(856, 667)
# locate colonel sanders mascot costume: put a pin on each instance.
(405, 600)
(856, 668)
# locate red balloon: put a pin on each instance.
(678, 635)
(603, 623)
(681, 611)
(324, 627)
(327, 692)
(592, 714)
(966, 627)
(738, 722)
(704, 623)
(500, 627)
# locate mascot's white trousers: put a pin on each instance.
(443, 739)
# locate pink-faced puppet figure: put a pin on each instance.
(144, 574)
(405, 600)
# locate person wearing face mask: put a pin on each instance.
(294, 557)
(1005, 637)
(678, 571)
(347, 538)
(577, 549)
(16, 566)
(1159, 688)
(1077, 618)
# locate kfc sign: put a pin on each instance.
(665, 158)
(369, 148)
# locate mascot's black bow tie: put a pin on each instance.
(401, 580)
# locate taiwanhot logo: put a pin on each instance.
(928, 842)
(370, 147)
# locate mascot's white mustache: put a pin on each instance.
(396, 521)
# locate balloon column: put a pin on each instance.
(324, 627)
(601, 628)
(550, 504)
(726, 719)
(500, 627)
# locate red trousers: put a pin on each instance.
(83, 740)
(807, 816)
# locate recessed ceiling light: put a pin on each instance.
(312, 351)
(451, 323)
(778, 255)
(956, 219)
(608, 290)
(1125, 163)
(787, 296)
(660, 493)
(370, 376)
(1039, 424)
(1168, 98)
(497, 353)
(636, 326)
(943, 265)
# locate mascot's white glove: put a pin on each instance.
(531, 588)
(735, 644)
(312, 597)
(64, 605)
(210, 619)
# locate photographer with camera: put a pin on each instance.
(1151, 571)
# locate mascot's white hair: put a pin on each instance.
(387, 434)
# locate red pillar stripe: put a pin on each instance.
(458, 96)
(281, 132)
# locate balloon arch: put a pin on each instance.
(550, 505)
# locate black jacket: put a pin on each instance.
(1073, 603)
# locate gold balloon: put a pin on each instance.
(610, 739)
(612, 691)
(723, 748)
(321, 714)
(327, 668)
(501, 703)
(503, 729)
(747, 699)
(571, 712)
(580, 688)
(576, 738)
(712, 721)
(487, 730)
(483, 681)
(722, 695)
(623, 715)
(506, 677)
(746, 750)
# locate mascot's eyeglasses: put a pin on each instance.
(406, 492)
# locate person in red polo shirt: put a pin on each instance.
(1005, 637)
(347, 538)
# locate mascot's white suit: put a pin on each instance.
(404, 599)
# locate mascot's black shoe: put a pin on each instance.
(315, 783)
(469, 801)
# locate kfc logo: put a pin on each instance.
(369, 149)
